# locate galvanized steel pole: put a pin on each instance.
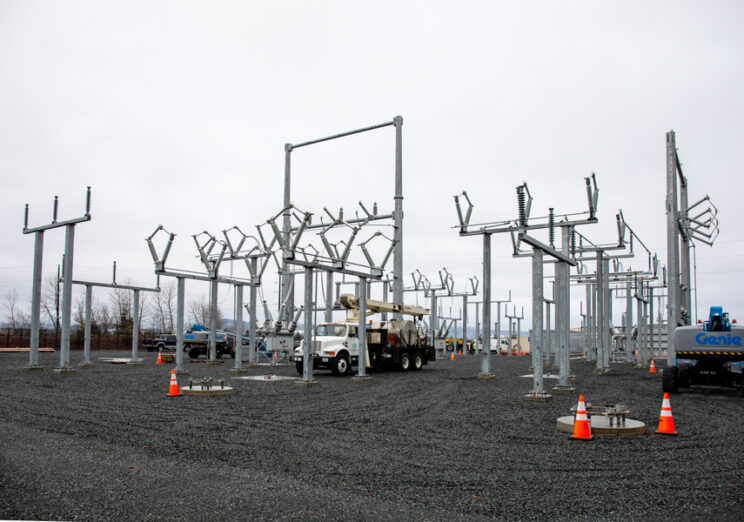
(600, 304)
(238, 327)
(537, 320)
(307, 353)
(33, 352)
(88, 321)
(64, 356)
(213, 320)
(253, 322)
(607, 315)
(629, 344)
(486, 355)
(135, 325)
(563, 315)
(362, 361)
(672, 246)
(398, 230)
(180, 291)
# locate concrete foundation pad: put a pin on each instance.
(86, 365)
(306, 384)
(538, 397)
(545, 376)
(603, 371)
(485, 377)
(250, 365)
(364, 378)
(198, 389)
(268, 378)
(134, 362)
(600, 425)
(563, 390)
(33, 367)
(214, 363)
(182, 372)
(239, 370)
(63, 370)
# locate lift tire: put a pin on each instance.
(300, 367)
(418, 361)
(341, 365)
(405, 362)
(195, 352)
(669, 380)
(683, 375)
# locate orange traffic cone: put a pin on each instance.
(666, 422)
(582, 427)
(173, 391)
(160, 359)
(276, 356)
(636, 354)
(652, 369)
(453, 356)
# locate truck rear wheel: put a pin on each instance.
(418, 361)
(669, 381)
(300, 367)
(194, 352)
(405, 361)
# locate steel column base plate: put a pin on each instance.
(363, 378)
(305, 384)
(563, 390)
(86, 365)
(239, 370)
(63, 370)
(33, 367)
(485, 376)
(181, 371)
(538, 397)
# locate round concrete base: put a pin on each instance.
(601, 426)
(198, 389)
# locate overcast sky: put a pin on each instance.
(176, 113)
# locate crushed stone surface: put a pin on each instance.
(107, 443)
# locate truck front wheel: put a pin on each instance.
(341, 365)
(194, 352)
(418, 361)
(405, 361)
(669, 381)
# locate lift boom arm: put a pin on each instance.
(351, 303)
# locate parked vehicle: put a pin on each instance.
(162, 343)
(397, 343)
(196, 342)
(710, 353)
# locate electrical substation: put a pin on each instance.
(347, 341)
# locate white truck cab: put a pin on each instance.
(336, 346)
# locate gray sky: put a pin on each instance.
(177, 113)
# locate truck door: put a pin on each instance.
(353, 341)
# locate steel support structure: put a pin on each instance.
(64, 361)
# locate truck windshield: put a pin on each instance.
(331, 330)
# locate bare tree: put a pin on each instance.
(164, 307)
(103, 317)
(50, 299)
(200, 311)
(11, 308)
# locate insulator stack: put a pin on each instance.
(521, 203)
(573, 241)
(551, 226)
(87, 202)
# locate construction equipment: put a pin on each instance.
(399, 343)
(196, 341)
(710, 353)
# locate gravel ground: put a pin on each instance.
(106, 443)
